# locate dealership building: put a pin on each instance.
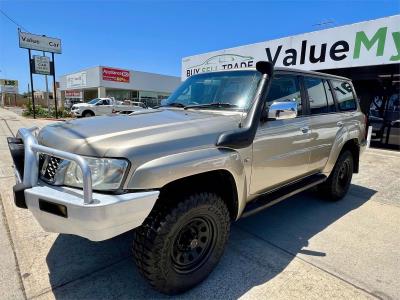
(366, 52)
(121, 84)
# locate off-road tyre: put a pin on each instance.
(338, 182)
(87, 114)
(161, 247)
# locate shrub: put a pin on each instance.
(42, 112)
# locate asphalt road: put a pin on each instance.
(304, 247)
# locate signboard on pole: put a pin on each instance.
(111, 74)
(9, 86)
(10, 89)
(11, 82)
(39, 42)
(41, 65)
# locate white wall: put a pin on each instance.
(142, 81)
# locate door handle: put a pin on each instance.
(339, 124)
(305, 129)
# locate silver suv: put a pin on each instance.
(223, 146)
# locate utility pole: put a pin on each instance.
(29, 93)
(32, 91)
(54, 84)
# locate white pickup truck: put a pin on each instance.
(103, 106)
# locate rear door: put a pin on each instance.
(352, 120)
(280, 147)
(324, 121)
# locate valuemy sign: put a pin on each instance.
(362, 44)
(38, 42)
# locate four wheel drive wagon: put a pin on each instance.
(224, 145)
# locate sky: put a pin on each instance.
(153, 36)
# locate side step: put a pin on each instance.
(275, 196)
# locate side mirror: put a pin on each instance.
(282, 110)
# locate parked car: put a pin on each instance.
(224, 146)
(101, 106)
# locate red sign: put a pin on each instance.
(118, 75)
(73, 94)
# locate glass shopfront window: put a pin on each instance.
(119, 95)
(152, 99)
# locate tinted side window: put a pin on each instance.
(316, 95)
(344, 95)
(285, 87)
(329, 96)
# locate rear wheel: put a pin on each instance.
(339, 181)
(177, 247)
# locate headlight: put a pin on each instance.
(107, 173)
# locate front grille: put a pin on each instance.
(48, 167)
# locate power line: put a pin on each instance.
(16, 23)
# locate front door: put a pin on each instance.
(105, 107)
(280, 147)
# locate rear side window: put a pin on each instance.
(285, 87)
(344, 95)
(316, 95)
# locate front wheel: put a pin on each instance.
(88, 114)
(177, 247)
(339, 180)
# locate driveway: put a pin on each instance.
(304, 247)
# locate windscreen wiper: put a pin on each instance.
(215, 104)
(174, 104)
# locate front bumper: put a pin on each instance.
(76, 113)
(95, 216)
(61, 210)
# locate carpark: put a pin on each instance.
(304, 247)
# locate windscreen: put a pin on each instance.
(234, 88)
(93, 101)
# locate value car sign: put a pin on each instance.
(38, 42)
(368, 43)
(41, 65)
(111, 74)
